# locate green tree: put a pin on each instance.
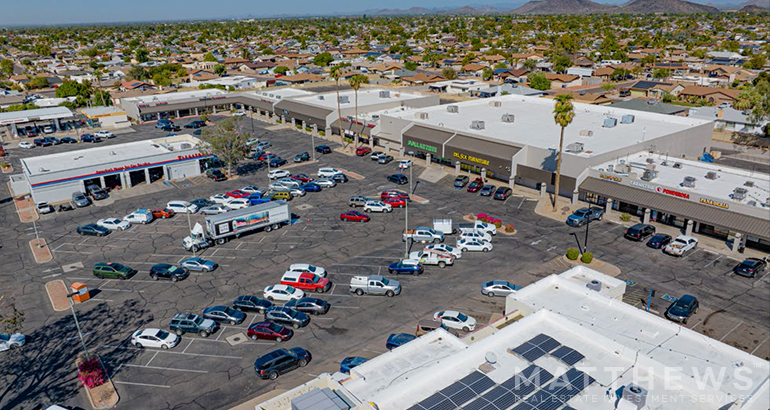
(561, 63)
(142, 55)
(411, 65)
(336, 73)
(356, 81)
(538, 81)
(38, 82)
(209, 57)
(608, 87)
(449, 73)
(73, 89)
(6, 66)
(756, 62)
(563, 114)
(323, 59)
(529, 64)
(220, 69)
(43, 49)
(102, 97)
(468, 58)
(661, 73)
(227, 140)
(487, 73)
(161, 80)
(619, 74)
(282, 70)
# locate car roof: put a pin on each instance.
(687, 299)
(686, 237)
(450, 313)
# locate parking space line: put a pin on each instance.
(121, 290)
(760, 344)
(152, 358)
(712, 262)
(731, 330)
(696, 324)
(172, 369)
(690, 254)
(190, 344)
(142, 384)
(348, 264)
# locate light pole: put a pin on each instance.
(189, 225)
(77, 324)
(576, 240)
(37, 237)
(585, 241)
(406, 227)
(312, 144)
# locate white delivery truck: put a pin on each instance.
(431, 257)
(140, 216)
(221, 228)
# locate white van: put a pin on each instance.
(140, 216)
(328, 172)
(182, 207)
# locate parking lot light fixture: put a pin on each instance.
(77, 324)
(189, 225)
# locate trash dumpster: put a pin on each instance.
(80, 292)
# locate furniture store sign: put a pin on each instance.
(424, 147)
(470, 158)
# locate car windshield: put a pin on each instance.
(385, 281)
(117, 266)
(290, 289)
(275, 327)
(175, 269)
(581, 212)
(679, 308)
(162, 334)
(462, 317)
(316, 279)
(198, 320)
(748, 263)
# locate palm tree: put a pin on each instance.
(563, 114)
(335, 73)
(355, 84)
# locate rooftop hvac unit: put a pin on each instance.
(344, 99)
(635, 395)
(422, 115)
(507, 118)
(689, 182)
(185, 145)
(650, 167)
(385, 94)
(678, 165)
(712, 175)
(496, 104)
(575, 147)
(627, 119)
(610, 167)
(477, 125)
(649, 175)
(749, 184)
(610, 122)
(453, 109)
(739, 194)
(586, 133)
(622, 169)
(594, 285)
(650, 160)
(320, 97)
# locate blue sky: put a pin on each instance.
(62, 12)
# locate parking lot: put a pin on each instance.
(217, 372)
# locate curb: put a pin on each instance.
(48, 291)
(42, 245)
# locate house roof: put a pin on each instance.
(654, 106)
(701, 91)
(564, 78)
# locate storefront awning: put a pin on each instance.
(494, 156)
(306, 112)
(425, 139)
(734, 221)
(350, 128)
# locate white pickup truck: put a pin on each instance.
(428, 257)
(422, 234)
(478, 226)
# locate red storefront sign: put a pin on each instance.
(671, 192)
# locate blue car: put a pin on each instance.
(257, 201)
(311, 187)
(351, 362)
(398, 339)
(406, 266)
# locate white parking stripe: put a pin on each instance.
(166, 368)
(731, 330)
(152, 358)
(757, 348)
(142, 384)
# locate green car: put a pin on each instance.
(112, 270)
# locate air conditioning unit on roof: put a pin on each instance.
(496, 104)
(507, 118)
(575, 147)
(477, 125)
(385, 94)
(610, 122)
(627, 119)
(586, 133)
(688, 182)
(344, 99)
(453, 109)
(422, 115)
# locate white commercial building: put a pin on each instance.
(567, 342)
(236, 82)
(29, 123)
(513, 138)
(53, 178)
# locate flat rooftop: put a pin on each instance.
(674, 172)
(170, 97)
(281, 93)
(129, 153)
(366, 97)
(36, 114)
(605, 343)
(533, 123)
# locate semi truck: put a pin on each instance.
(223, 227)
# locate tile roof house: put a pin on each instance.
(136, 86)
(423, 78)
(562, 80)
(710, 94)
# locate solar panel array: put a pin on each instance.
(558, 392)
(536, 347)
(457, 393)
(568, 355)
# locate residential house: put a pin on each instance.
(562, 80)
(298, 79)
(729, 119)
(652, 105)
(422, 78)
(710, 94)
(516, 75)
(473, 69)
(136, 86)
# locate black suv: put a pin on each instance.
(640, 232)
(287, 316)
(281, 361)
(251, 303)
(302, 156)
(195, 124)
(216, 175)
(169, 272)
(399, 179)
(183, 323)
(323, 149)
(682, 309)
(310, 305)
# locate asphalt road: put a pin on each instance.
(213, 373)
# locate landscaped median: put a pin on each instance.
(506, 229)
(100, 391)
(6, 167)
(574, 257)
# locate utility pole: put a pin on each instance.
(312, 144)
(77, 324)
(37, 237)
(406, 226)
(189, 225)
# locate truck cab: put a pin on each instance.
(422, 234)
(429, 257)
(478, 226)
(306, 281)
(374, 285)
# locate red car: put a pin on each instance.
(354, 216)
(237, 193)
(476, 185)
(363, 150)
(269, 331)
(302, 177)
(163, 213)
(395, 202)
(394, 194)
(307, 281)
(266, 156)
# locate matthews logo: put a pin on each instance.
(421, 146)
(714, 203)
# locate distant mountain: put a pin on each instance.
(563, 7)
(394, 12)
(751, 8)
(664, 6)
(468, 10)
(759, 3)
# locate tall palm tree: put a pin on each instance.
(335, 73)
(563, 114)
(355, 83)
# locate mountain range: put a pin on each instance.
(580, 7)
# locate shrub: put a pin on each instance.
(299, 126)
(498, 223)
(625, 217)
(481, 216)
(91, 373)
(587, 257)
(510, 228)
(278, 120)
(5, 164)
(308, 128)
(572, 254)
(322, 133)
(204, 118)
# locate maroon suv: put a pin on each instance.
(270, 331)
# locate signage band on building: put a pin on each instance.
(671, 192)
(470, 158)
(714, 203)
(422, 146)
(612, 178)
